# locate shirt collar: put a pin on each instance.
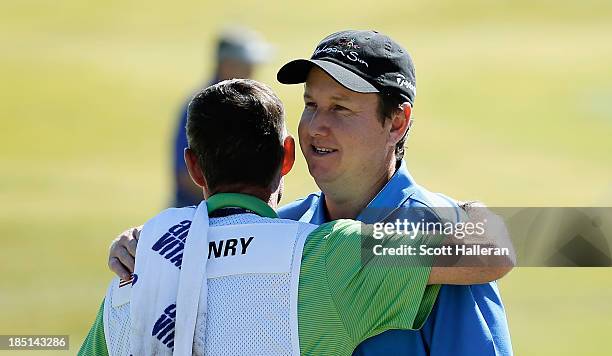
(225, 200)
(316, 212)
(393, 195)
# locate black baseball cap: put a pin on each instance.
(361, 61)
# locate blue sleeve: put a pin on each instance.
(471, 320)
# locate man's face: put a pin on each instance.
(340, 134)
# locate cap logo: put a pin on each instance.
(350, 55)
(403, 82)
(348, 43)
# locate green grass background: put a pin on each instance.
(514, 108)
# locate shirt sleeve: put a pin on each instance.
(374, 293)
(95, 342)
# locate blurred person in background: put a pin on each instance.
(239, 51)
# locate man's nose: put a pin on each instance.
(319, 123)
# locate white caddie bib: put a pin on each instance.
(248, 304)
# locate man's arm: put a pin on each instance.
(467, 270)
(464, 271)
(95, 342)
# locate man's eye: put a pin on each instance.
(310, 105)
(340, 108)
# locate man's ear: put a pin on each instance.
(193, 166)
(400, 123)
(289, 155)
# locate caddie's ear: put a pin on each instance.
(400, 123)
(289, 155)
(193, 166)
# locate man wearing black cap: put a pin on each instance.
(359, 92)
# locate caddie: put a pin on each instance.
(230, 277)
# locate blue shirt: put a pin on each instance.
(466, 320)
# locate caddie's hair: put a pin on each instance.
(236, 129)
(389, 105)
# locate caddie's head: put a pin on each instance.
(237, 139)
(358, 96)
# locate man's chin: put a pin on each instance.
(323, 177)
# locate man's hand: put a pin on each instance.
(123, 252)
